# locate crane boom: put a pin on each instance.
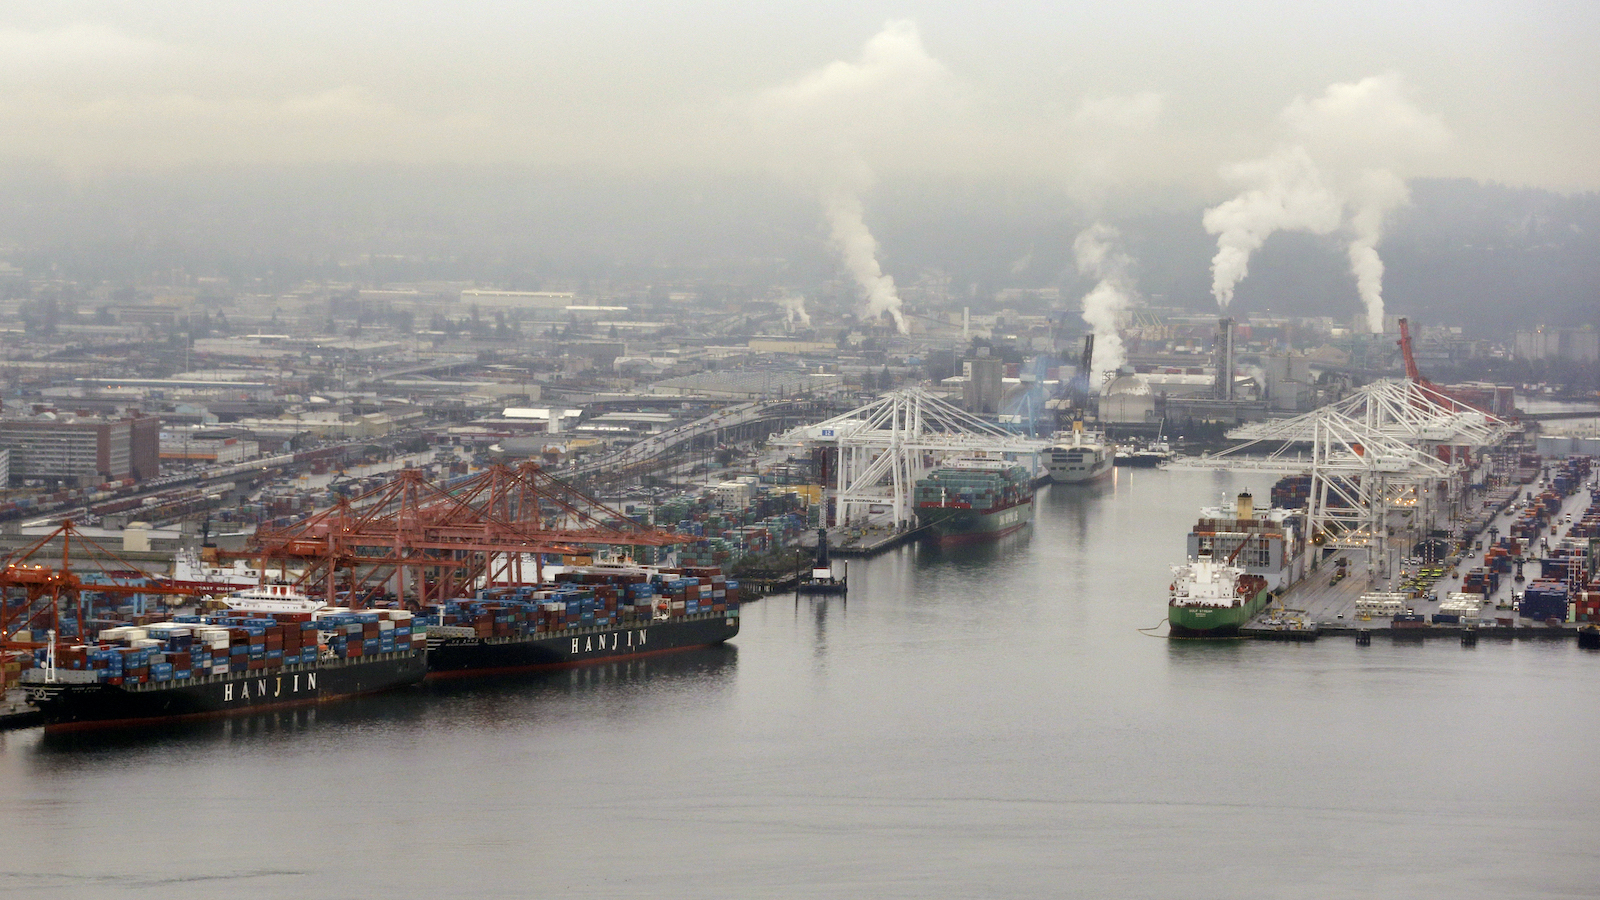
(1408, 354)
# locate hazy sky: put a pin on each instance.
(1096, 96)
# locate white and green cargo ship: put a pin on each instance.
(1237, 558)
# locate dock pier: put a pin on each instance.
(865, 540)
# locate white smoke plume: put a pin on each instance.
(820, 121)
(1287, 193)
(1376, 193)
(1098, 257)
(849, 233)
(796, 307)
(1335, 172)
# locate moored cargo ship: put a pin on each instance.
(190, 570)
(294, 652)
(586, 615)
(1210, 598)
(1079, 456)
(975, 500)
(1237, 558)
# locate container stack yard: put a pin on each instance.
(1522, 563)
(774, 519)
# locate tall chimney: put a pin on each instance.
(1223, 387)
(1247, 505)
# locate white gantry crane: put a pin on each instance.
(884, 447)
(1393, 455)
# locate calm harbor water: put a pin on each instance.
(988, 722)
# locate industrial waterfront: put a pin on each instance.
(985, 721)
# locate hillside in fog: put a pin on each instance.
(1483, 256)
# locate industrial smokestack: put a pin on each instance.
(1223, 389)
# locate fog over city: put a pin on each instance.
(873, 142)
(1147, 93)
(722, 449)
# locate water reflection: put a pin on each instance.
(703, 664)
(193, 733)
(975, 555)
(815, 608)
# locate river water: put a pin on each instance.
(989, 722)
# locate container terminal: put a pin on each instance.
(1411, 513)
(1523, 566)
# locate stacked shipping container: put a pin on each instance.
(196, 646)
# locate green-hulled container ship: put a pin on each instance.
(1237, 558)
(974, 500)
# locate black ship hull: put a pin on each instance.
(464, 657)
(97, 704)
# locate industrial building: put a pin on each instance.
(209, 447)
(1579, 345)
(981, 391)
(82, 449)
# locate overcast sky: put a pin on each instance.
(1096, 96)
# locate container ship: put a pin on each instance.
(587, 614)
(277, 649)
(1237, 558)
(975, 500)
(1079, 456)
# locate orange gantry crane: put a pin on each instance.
(424, 543)
(1431, 392)
(34, 591)
(1433, 395)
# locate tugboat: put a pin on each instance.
(822, 579)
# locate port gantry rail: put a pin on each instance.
(881, 449)
(1392, 448)
(428, 543)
